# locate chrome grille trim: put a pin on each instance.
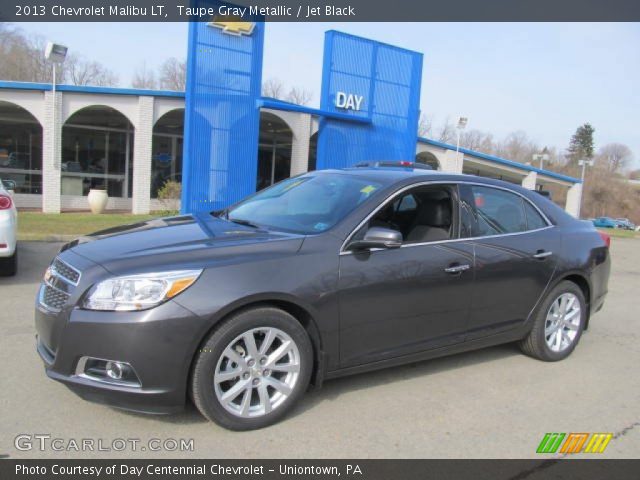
(58, 285)
(65, 272)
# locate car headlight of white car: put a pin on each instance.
(138, 292)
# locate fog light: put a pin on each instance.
(114, 370)
(108, 371)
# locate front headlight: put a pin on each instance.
(138, 292)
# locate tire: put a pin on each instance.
(544, 342)
(9, 265)
(225, 365)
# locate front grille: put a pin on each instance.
(53, 299)
(59, 283)
(67, 272)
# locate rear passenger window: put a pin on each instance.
(534, 219)
(498, 211)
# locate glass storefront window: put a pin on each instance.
(20, 148)
(97, 149)
(166, 157)
(274, 151)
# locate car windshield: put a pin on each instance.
(308, 204)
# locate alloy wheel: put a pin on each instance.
(256, 372)
(563, 322)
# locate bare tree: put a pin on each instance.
(477, 140)
(144, 78)
(173, 74)
(299, 96)
(447, 132)
(22, 57)
(517, 147)
(425, 125)
(273, 88)
(615, 157)
(80, 71)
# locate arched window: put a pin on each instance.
(166, 159)
(428, 158)
(20, 148)
(97, 152)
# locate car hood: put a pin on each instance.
(188, 241)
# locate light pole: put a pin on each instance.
(462, 123)
(541, 157)
(56, 54)
(584, 164)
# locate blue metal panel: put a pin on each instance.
(388, 79)
(222, 120)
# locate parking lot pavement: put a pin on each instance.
(490, 403)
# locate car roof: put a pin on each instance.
(396, 175)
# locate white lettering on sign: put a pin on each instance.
(349, 101)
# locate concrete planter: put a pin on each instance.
(97, 200)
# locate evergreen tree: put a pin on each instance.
(581, 144)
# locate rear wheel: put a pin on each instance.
(558, 324)
(9, 265)
(252, 369)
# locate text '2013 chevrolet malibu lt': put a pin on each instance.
(326, 274)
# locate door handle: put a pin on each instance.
(541, 254)
(457, 268)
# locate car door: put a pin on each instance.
(399, 301)
(515, 256)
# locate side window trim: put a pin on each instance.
(458, 187)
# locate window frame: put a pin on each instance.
(460, 193)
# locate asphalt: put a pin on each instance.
(492, 403)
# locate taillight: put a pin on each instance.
(5, 202)
(606, 238)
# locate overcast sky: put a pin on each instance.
(542, 78)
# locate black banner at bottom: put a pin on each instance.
(321, 469)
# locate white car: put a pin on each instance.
(8, 233)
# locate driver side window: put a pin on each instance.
(423, 214)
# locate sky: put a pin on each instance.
(545, 79)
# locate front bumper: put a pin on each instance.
(158, 343)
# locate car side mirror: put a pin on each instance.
(378, 237)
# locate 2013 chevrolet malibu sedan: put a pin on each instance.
(322, 275)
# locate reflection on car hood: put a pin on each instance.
(193, 239)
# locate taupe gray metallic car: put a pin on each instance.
(323, 275)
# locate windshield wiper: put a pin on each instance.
(241, 221)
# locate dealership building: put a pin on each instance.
(223, 140)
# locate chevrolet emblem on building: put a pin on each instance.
(232, 27)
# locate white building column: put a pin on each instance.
(574, 197)
(452, 161)
(529, 181)
(300, 149)
(51, 148)
(142, 142)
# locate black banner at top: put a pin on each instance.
(321, 11)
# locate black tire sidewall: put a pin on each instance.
(213, 347)
(561, 288)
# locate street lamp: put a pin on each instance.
(56, 54)
(541, 157)
(462, 123)
(584, 164)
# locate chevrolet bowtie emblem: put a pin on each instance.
(232, 27)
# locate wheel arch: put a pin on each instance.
(582, 281)
(283, 302)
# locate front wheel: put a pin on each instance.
(558, 324)
(252, 369)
